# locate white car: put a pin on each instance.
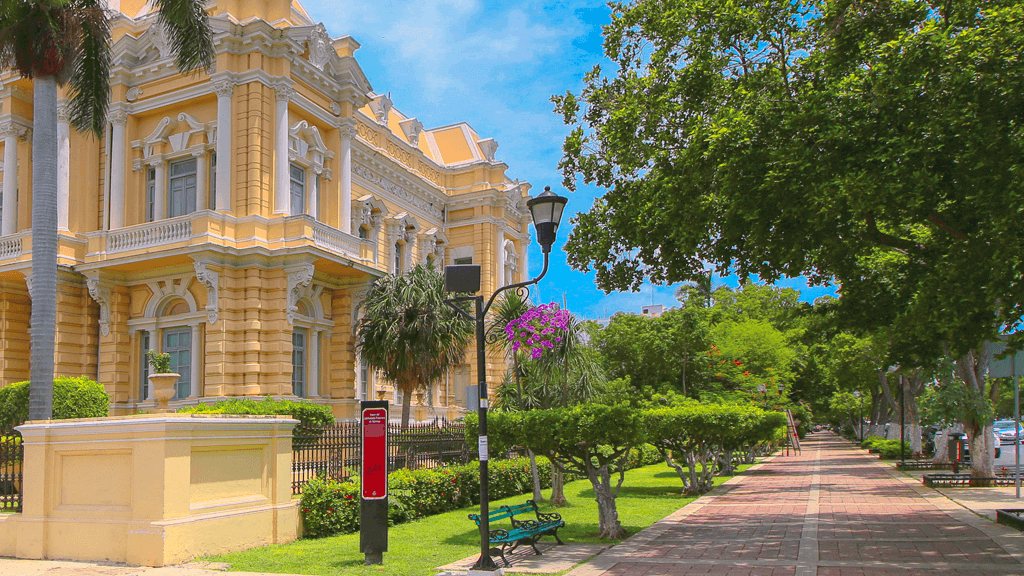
(995, 442)
(1004, 430)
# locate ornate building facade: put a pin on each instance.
(235, 219)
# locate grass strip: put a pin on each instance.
(418, 548)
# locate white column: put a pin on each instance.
(501, 258)
(313, 388)
(313, 185)
(197, 363)
(63, 167)
(345, 201)
(225, 91)
(159, 192)
(9, 225)
(118, 119)
(281, 180)
(202, 173)
(524, 262)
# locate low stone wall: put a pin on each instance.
(153, 490)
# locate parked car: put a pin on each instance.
(1004, 430)
(996, 443)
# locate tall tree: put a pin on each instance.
(797, 138)
(409, 334)
(54, 42)
(784, 138)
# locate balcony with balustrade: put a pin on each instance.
(207, 229)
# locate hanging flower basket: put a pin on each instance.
(538, 329)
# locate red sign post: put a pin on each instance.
(375, 454)
(373, 506)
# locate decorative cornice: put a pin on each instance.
(320, 47)
(101, 294)
(297, 278)
(118, 117)
(224, 88)
(395, 190)
(211, 280)
(283, 93)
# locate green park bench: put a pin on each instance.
(526, 531)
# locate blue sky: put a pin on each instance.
(495, 66)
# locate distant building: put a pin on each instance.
(653, 311)
(235, 219)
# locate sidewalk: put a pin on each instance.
(832, 511)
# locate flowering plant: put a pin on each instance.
(537, 329)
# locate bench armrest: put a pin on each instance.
(549, 516)
(498, 535)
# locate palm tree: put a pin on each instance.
(68, 42)
(409, 334)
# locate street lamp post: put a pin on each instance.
(546, 210)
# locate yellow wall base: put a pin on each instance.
(153, 490)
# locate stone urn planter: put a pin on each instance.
(382, 394)
(163, 387)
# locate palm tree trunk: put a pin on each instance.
(44, 246)
(406, 408)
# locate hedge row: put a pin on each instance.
(72, 398)
(331, 507)
(313, 418)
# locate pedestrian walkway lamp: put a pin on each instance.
(546, 210)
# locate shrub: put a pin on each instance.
(76, 397)
(890, 449)
(871, 442)
(313, 418)
(329, 507)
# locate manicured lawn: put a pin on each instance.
(417, 548)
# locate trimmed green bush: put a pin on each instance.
(870, 442)
(76, 397)
(890, 449)
(313, 418)
(330, 507)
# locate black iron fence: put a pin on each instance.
(12, 456)
(335, 453)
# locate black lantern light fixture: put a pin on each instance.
(546, 210)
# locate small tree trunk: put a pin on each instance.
(982, 456)
(538, 496)
(726, 459)
(678, 468)
(607, 513)
(558, 484)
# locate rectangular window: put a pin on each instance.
(212, 202)
(150, 194)
(399, 397)
(398, 258)
(299, 362)
(181, 198)
(461, 261)
(298, 181)
(144, 383)
(178, 343)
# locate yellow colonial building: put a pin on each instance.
(235, 219)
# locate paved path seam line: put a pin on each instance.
(807, 557)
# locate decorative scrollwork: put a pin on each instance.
(549, 517)
(498, 535)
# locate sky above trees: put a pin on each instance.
(495, 65)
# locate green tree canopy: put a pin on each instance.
(784, 138)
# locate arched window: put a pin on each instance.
(364, 232)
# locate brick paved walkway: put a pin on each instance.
(831, 511)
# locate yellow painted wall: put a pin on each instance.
(152, 490)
